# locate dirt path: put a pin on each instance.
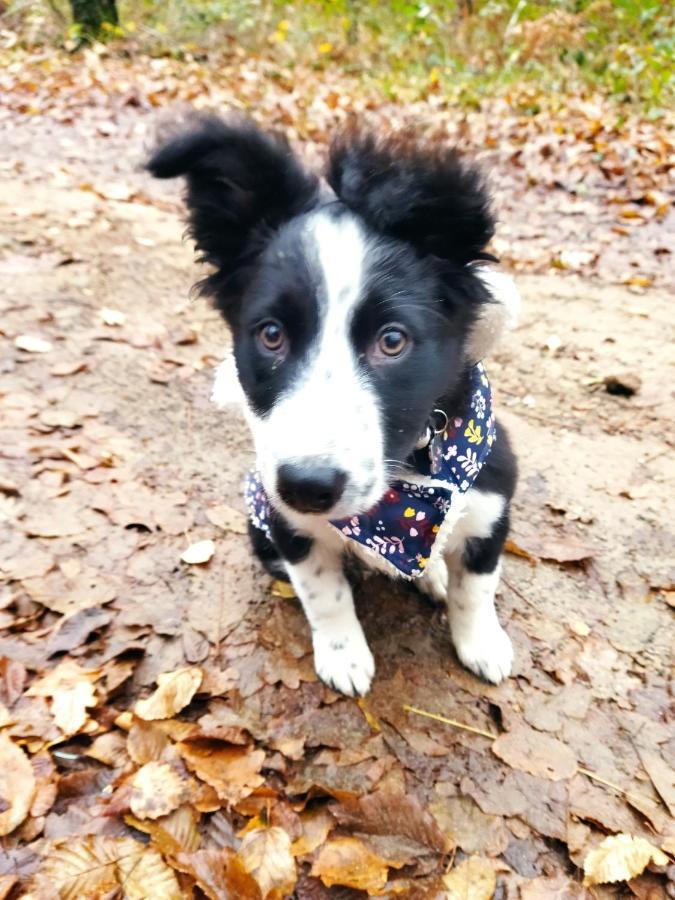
(112, 461)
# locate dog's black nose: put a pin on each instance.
(310, 488)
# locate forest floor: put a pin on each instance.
(243, 775)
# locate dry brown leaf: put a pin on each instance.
(266, 855)
(620, 857)
(199, 553)
(71, 689)
(156, 790)
(109, 748)
(468, 827)
(539, 754)
(148, 876)
(146, 742)
(662, 777)
(220, 874)
(174, 833)
(233, 772)
(316, 825)
(91, 867)
(174, 691)
(347, 861)
(17, 785)
(227, 518)
(530, 543)
(472, 879)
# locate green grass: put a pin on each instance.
(623, 48)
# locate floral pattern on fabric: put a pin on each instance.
(403, 526)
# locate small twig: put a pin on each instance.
(615, 787)
(489, 734)
(453, 722)
(518, 593)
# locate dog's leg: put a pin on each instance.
(473, 574)
(342, 658)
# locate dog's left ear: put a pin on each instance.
(424, 194)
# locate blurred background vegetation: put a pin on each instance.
(466, 49)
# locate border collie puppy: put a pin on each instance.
(360, 313)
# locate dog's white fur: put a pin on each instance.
(346, 431)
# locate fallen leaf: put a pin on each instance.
(71, 689)
(146, 742)
(156, 790)
(390, 811)
(468, 827)
(316, 825)
(199, 553)
(173, 833)
(233, 772)
(93, 867)
(620, 857)
(661, 775)
(112, 317)
(227, 518)
(539, 754)
(30, 344)
(349, 862)
(74, 630)
(532, 544)
(266, 855)
(220, 874)
(60, 418)
(472, 879)
(109, 748)
(17, 785)
(174, 691)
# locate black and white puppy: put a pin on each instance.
(359, 310)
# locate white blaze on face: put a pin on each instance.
(331, 413)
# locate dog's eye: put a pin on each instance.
(271, 336)
(392, 341)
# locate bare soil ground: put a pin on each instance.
(112, 461)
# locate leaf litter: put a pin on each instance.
(162, 730)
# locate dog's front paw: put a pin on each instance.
(486, 651)
(344, 662)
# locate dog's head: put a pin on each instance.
(354, 312)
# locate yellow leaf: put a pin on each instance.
(148, 876)
(174, 691)
(472, 879)
(198, 553)
(326, 47)
(156, 790)
(17, 785)
(266, 855)
(347, 861)
(71, 690)
(620, 857)
(173, 833)
(92, 867)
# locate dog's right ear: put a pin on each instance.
(241, 183)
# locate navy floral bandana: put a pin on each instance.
(403, 526)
